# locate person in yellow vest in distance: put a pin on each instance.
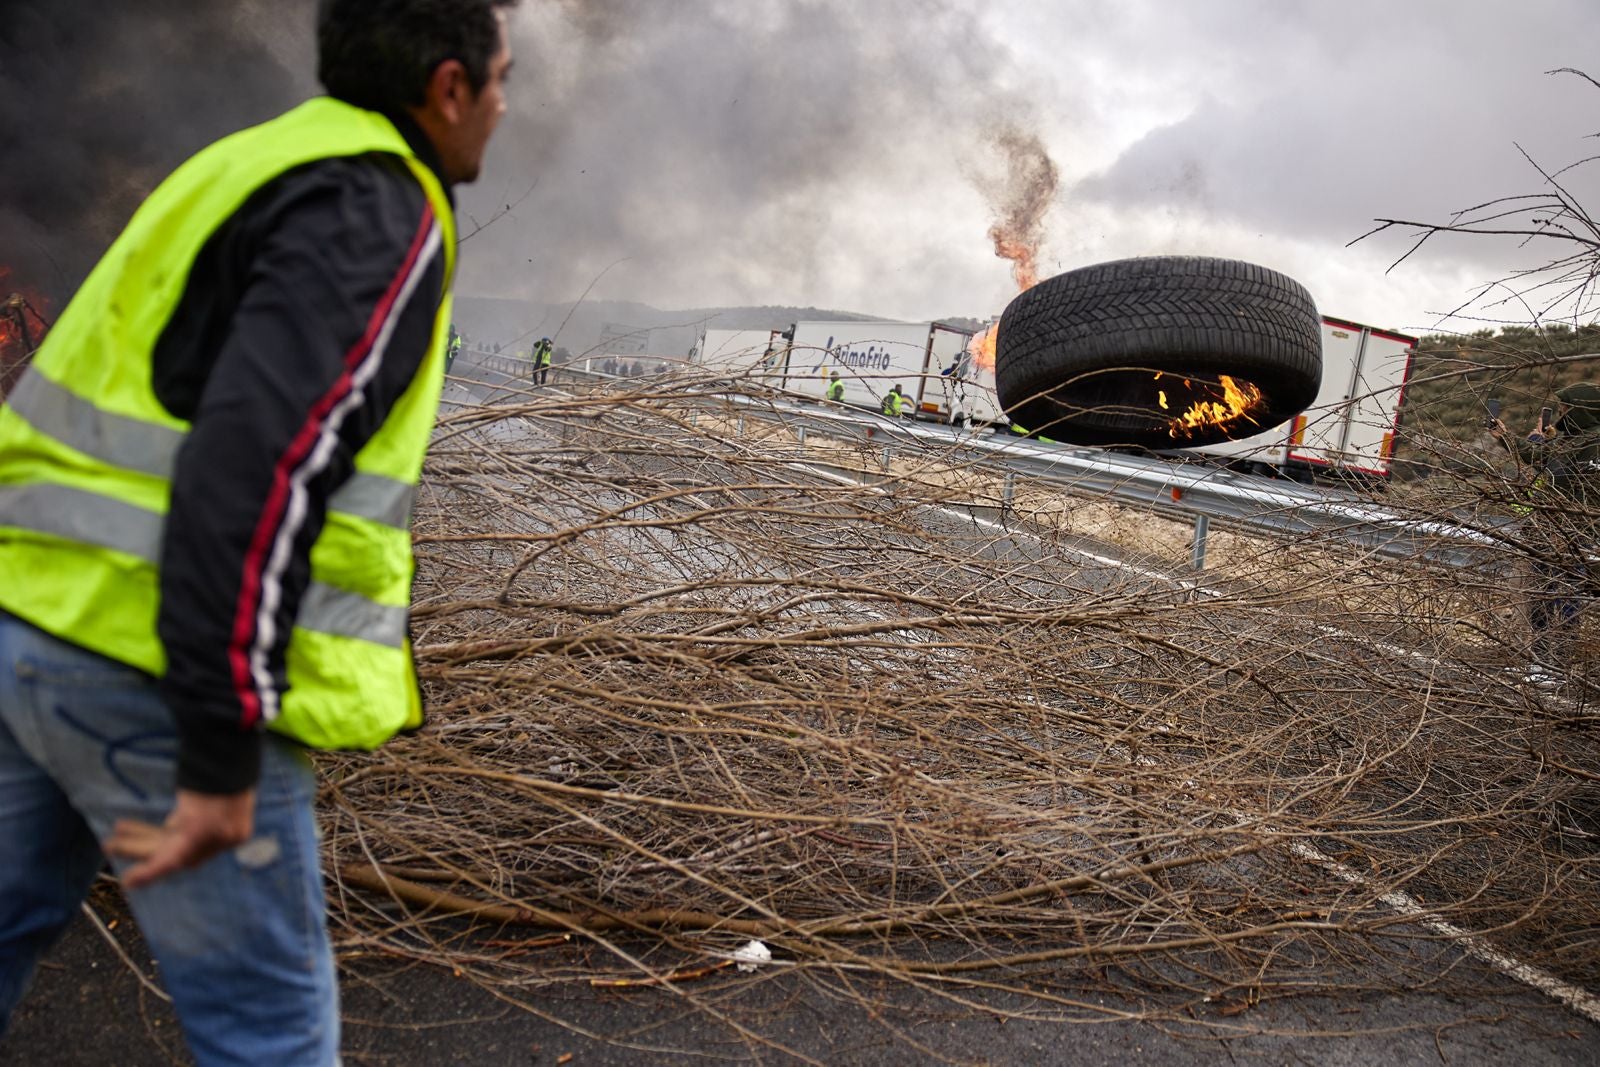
(896, 403)
(180, 614)
(835, 392)
(454, 350)
(541, 360)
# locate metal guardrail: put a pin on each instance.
(1198, 492)
(510, 366)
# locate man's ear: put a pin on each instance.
(449, 92)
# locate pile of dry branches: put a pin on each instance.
(696, 679)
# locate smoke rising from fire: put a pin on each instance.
(717, 151)
(1021, 200)
(732, 151)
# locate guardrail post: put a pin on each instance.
(801, 434)
(1008, 494)
(1197, 558)
(739, 426)
(886, 450)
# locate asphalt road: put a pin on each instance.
(86, 1007)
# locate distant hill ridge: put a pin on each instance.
(519, 323)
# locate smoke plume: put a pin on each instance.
(728, 152)
(705, 151)
(1021, 200)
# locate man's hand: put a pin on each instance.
(200, 826)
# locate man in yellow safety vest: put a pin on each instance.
(541, 360)
(454, 350)
(206, 480)
(896, 403)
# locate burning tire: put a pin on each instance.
(1159, 352)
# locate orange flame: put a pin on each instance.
(1234, 405)
(1022, 253)
(982, 346)
(1021, 198)
(9, 333)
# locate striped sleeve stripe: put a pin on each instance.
(283, 516)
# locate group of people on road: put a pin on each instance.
(621, 368)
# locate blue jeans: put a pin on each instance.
(241, 941)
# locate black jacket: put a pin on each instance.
(278, 299)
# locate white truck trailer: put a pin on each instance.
(928, 360)
(735, 353)
(1352, 424)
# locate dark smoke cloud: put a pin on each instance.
(715, 151)
(99, 101)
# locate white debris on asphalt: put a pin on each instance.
(752, 953)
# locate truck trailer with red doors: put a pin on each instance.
(1351, 425)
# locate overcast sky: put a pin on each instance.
(844, 154)
(854, 154)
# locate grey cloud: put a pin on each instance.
(1364, 110)
(720, 141)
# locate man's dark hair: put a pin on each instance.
(379, 54)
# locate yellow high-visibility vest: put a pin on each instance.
(87, 453)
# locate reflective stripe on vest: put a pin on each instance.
(87, 453)
(76, 515)
(151, 449)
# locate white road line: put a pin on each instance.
(1575, 997)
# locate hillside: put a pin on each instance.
(1455, 376)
